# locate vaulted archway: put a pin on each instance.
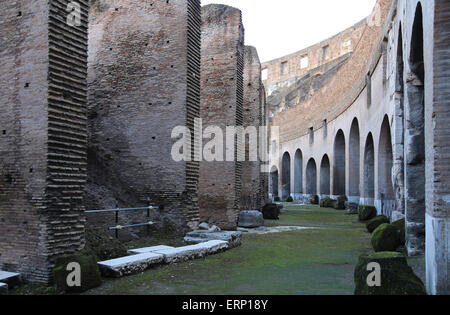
(298, 173)
(354, 162)
(286, 176)
(415, 142)
(325, 176)
(369, 171)
(339, 164)
(386, 196)
(311, 177)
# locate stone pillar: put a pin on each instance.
(251, 197)
(43, 134)
(438, 169)
(144, 80)
(221, 106)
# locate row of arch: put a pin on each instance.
(338, 167)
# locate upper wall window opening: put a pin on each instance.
(304, 62)
(283, 67)
(264, 74)
(325, 51)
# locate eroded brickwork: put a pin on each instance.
(252, 189)
(43, 137)
(144, 65)
(221, 105)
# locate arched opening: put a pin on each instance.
(325, 176)
(339, 164)
(398, 167)
(311, 177)
(274, 182)
(298, 174)
(415, 142)
(385, 161)
(369, 171)
(354, 162)
(286, 176)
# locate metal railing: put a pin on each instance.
(117, 210)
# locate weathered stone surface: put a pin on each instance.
(43, 67)
(386, 237)
(151, 249)
(222, 64)
(203, 226)
(397, 278)
(10, 278)
(366, 212)
(174, 255)
(144, 81)
(352, 208)
(232, 237)
(400, 225)
(3, 288)
(327, 202)
(90, 274)
(130, 264)
(250, 219)
(372, 224)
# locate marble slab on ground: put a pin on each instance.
(275, 229)
(10, 278)
(130, 264)
(173, 255)
(151, 249)
(232, 237)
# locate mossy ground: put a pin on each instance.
(316, 261)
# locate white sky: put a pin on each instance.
(280, 27)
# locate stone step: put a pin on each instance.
(148, 249)
(130, 264)
(185, 253)
(10, 278)
(3, 288)
(232, 237)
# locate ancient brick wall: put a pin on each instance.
(144, 64)
(221, 105)
(251, 197)
(43, 70)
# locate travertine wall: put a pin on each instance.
(252, 191)
(221, 105)
(144, 80)
(43, 68)
(319, 54)
(390, 102)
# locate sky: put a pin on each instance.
(280, 27)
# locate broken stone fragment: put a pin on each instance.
(204, 226)
(250, 219)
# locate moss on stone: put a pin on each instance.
(366, 212)
(102, 245)
(397, 278)
(340, 202)
(386, 237)
(327, 202)
(89, 273)
(289, 199)
(400, 224)
(314, 200)
(372, 224)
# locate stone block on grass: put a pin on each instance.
(396, 277)
(366, 212)
(386, 238)
(372, 224)
(89, 273)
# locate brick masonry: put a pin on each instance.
(43, 69)
(144, 80)
(252, 197)
(222, 65)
